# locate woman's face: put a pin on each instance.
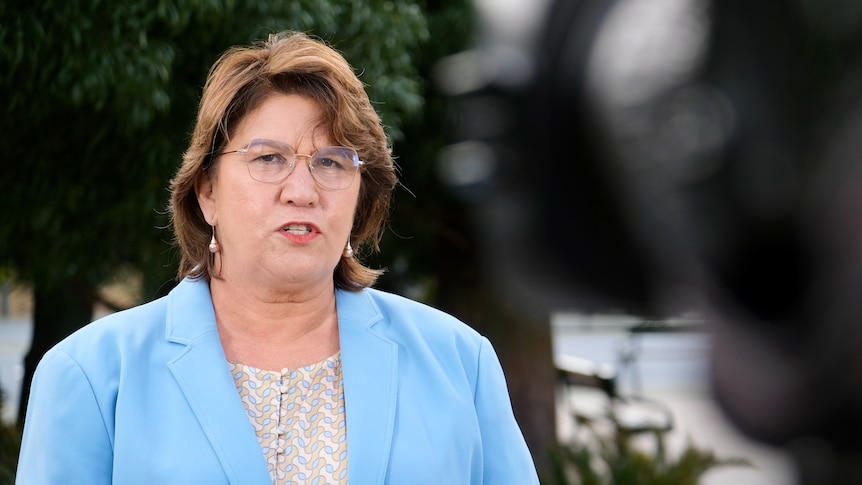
(283, 234)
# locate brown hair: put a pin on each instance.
(240, 80)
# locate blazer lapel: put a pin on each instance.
(370, 372)
(201, 371)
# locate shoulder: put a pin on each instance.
(409, 322)
(182, 314)
(123, 324)
(393, 303)
(116, 332)
(88, 365)
(417, 314)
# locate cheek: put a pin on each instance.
(341, 209)
(350, 205)
(243, 205)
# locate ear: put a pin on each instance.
(205, 190)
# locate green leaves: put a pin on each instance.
(101, 96)
(381, 40)
(90, 54)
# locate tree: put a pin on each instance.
(100, 98)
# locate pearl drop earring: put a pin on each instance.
(213, 243)
(348, 251)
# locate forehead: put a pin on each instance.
(287, 118)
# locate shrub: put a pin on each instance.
(608, 455)
(10, 445)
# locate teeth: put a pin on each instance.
(298, 229)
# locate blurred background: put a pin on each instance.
(664, 190)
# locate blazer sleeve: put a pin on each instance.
(66, 439)
(506, 458)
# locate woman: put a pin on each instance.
(273, 361)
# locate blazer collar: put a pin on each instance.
(200, 369)
(190, 311)
(370, 372)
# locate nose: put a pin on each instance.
(300, 188)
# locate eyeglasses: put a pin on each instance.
(271, 162)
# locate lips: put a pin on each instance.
(300, 232)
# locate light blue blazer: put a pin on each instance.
(145, 396)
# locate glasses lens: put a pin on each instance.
(334, 167)
(268, 161)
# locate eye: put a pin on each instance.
(329, 163)
(270, 159)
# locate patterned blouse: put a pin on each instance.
(299, 419)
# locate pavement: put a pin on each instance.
(15, 334)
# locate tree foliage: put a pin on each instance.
(100, 98)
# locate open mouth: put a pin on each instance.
(298, 229)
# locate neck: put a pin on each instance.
(275, 331)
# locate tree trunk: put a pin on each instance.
(57, 312)
(523, 343)
(521, 338)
